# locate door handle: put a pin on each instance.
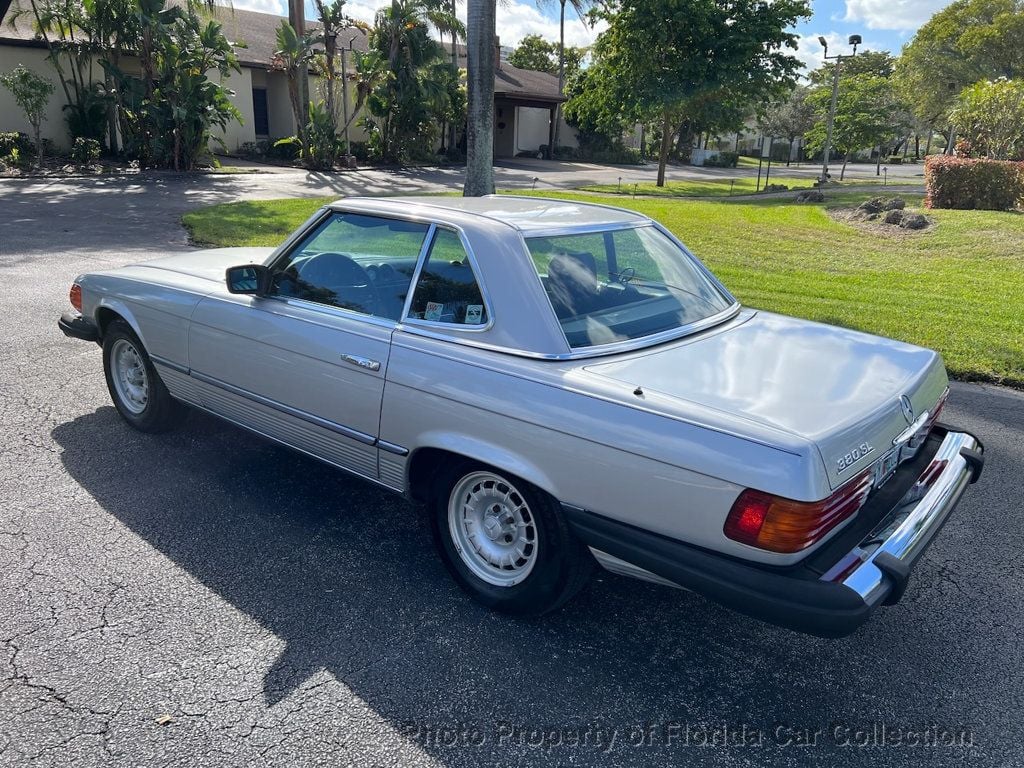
(362, 362)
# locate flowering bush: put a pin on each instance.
(957, 182)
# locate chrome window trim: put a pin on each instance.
(583, 229)
(582, 353)
(428, 243)
(341, 429)
(473, 265)
(286, 249)
(641, 342)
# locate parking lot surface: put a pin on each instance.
(204, 598)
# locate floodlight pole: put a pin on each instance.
(838, 58)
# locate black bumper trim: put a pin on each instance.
(821, 608)
(75, 326)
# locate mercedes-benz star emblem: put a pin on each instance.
(908, 409)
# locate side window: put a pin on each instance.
(360, 263)
(447, 291)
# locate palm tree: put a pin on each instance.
(293, 55)
(480, 16)
(580, 6)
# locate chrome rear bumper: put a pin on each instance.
(886, 555)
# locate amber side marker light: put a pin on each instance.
(75, 294)
(782, 525)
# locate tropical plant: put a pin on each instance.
(480, 21)
(32, 94)
(540, 55)
(169, 113)
(990, 117)
(421, 89)
(293, 56)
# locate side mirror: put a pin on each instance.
(249, 278)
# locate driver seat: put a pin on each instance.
(572, 283)
(345, 282)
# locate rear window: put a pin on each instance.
(623, 284)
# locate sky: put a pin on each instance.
(883, 24)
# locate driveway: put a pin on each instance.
(204, 598)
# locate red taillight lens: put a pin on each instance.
(782, 525)
(76, 296)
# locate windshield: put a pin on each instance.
(622, 284)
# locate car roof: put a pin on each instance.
(527, 214)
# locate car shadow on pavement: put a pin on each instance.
(345, 575)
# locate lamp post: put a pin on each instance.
(344, 102)
(854, 40)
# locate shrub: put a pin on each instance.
(723, 160)
(966, 184)
(15, 144)
(85, 151)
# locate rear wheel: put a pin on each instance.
(506, 542)
(135, 387)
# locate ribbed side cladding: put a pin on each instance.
(321, 442)
(180, 385)
(392, 470)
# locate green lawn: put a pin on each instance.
(957, 288)
(746, 185)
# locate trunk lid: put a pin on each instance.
(838, 388)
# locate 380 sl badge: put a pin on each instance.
(849, 459)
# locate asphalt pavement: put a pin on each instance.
(204, 598)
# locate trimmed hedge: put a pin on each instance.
(973, 184)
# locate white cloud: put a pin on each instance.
(515, 21)
(277, 7)
(892, 14)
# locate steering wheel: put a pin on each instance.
(625, 275)
(343, 275)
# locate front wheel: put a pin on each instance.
(135, 387)
(506, 542)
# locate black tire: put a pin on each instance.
(161, 412)
(563, 563)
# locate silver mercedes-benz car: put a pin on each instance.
(561, 385)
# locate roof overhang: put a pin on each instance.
(530, 99)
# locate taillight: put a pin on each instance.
(934, 415)
(76, 296)
(782, 525)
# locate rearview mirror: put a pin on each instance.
(249, 278)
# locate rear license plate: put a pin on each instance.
(886, 466)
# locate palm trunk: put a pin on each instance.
(455, 66)
(480, 85)
(666, 145)
(561, 79)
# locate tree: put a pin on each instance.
(579, 6)
(407, 107)
(788, 117)
(32, 93)
(968, 41)
(658, 58)
(864, 115)
(536, 53)
(990, 117)
(293, 56)
(480, 15)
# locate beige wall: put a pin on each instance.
(11, 117)
(237, 132)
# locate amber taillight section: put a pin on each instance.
(782, 525)
(76, 296)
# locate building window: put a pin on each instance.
(259, 112)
